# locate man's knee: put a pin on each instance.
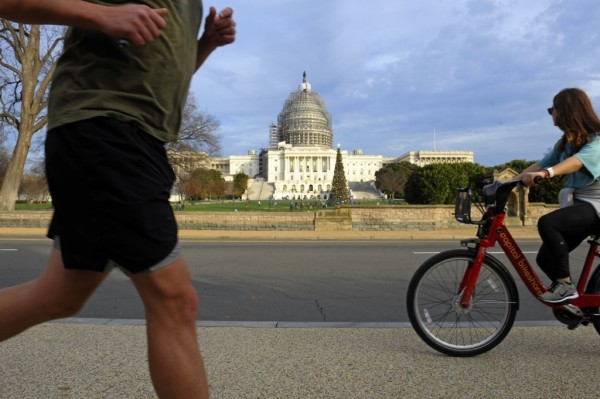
(179, 307)
(169, 293)
(183, 299)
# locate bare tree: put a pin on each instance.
(392, 182)
(34, 187)
(198, 131)
(196, 143)
(28, 55)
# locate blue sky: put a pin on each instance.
(480, 73)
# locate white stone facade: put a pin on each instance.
(299, 162)
(307, 172)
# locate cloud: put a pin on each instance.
(479, 72)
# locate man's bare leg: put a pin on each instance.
(171, 304)
(56, 293)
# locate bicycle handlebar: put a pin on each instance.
(495, 195)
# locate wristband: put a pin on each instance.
(549, 172)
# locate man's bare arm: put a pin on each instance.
(137, 23)
(219, 30)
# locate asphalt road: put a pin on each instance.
(295, 281)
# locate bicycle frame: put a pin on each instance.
(492, 230)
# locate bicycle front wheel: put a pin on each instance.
(435, 312)
(593, 287)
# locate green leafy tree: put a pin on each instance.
(211, 183)
(240, 184)
(437, 183)
(518, 165)
(339, 187)
(206, 183)
(546, 192)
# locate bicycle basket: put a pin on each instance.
(462, 209)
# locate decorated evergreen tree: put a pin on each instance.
(339, 187)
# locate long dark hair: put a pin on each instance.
(576, 118)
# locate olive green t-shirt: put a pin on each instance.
(146, 86)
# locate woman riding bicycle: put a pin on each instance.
(577, 155)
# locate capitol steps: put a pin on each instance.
(260, 190)
(364, 191)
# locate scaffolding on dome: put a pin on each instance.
(304, 120)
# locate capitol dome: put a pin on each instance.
(304, 120)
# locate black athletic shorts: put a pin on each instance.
(110, 185)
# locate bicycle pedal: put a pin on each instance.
(573, 310)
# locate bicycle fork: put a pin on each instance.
(467, 286)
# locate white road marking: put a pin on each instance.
(489, 252)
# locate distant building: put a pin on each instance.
(427, 157)
(300, 159)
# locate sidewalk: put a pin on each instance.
(91, 361)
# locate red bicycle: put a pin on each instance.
(463, 302)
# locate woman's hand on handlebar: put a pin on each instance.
(532, 178)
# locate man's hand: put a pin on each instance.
(219, 29)
(138, 24)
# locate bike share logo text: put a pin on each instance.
(519, 260)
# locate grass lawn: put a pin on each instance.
(261, 206)
(226, 206)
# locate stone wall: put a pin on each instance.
(400, 218)
(246, 220)
(25, 219)
(415, 217)
(535, 210)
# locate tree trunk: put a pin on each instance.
(31, 73)
(14, 173)
(16, 166)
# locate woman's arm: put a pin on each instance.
(569, 165)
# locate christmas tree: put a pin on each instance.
(339, 188)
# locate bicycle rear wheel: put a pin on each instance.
(436, 315)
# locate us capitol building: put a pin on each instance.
(300, 159)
